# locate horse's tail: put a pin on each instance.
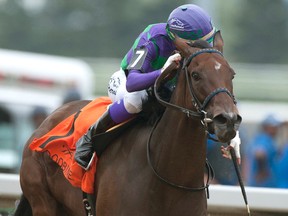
(23, 207)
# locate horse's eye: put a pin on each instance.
(195, 76)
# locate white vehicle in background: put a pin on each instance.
(27, 81)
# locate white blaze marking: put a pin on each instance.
(217, 65)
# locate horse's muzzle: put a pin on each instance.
(225, 126)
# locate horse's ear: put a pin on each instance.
(218, 42)
(181, 45)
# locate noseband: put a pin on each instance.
(199, 113)
(200, 107)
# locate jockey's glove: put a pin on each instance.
(173, 58)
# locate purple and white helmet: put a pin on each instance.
(190, 22)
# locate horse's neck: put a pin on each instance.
(179, 147)
(181, 132)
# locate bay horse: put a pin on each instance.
(148, 170)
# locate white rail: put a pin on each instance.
(221, 197)
(259, 199)
(9, 185)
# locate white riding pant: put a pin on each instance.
(133, 101)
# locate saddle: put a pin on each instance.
(150, 113)
(60, 141)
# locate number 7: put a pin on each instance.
(140, 53)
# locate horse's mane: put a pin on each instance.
(152, 110)
(202, 44)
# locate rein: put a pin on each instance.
(158, 84)
(210, 171)
(200, 107)
(199, 113)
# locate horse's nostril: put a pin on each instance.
(228, 118)
(239, 119)
(220, 119)
(237, 122)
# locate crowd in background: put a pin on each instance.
(264, 158)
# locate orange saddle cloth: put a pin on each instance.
(60, 143)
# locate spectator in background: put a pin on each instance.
(38, 115)
(71, 95)
(224, 170)
(262, 155)
(282, 163)
(282, 168)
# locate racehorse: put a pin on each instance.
(148, 170)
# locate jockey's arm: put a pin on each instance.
(136, 80)
(140, 78)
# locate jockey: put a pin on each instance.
(150, 54)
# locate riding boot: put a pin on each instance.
(84, 150)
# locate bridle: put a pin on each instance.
(200, 113)
(200, 107)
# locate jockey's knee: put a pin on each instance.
(133, 101)
(130, 108)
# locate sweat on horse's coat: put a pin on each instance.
(60, 142)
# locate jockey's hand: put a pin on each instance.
(235, 143)
(173, 58)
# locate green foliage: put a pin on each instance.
(254, 31)
(79, 28)
(262, 31)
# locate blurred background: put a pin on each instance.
(55, 51)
